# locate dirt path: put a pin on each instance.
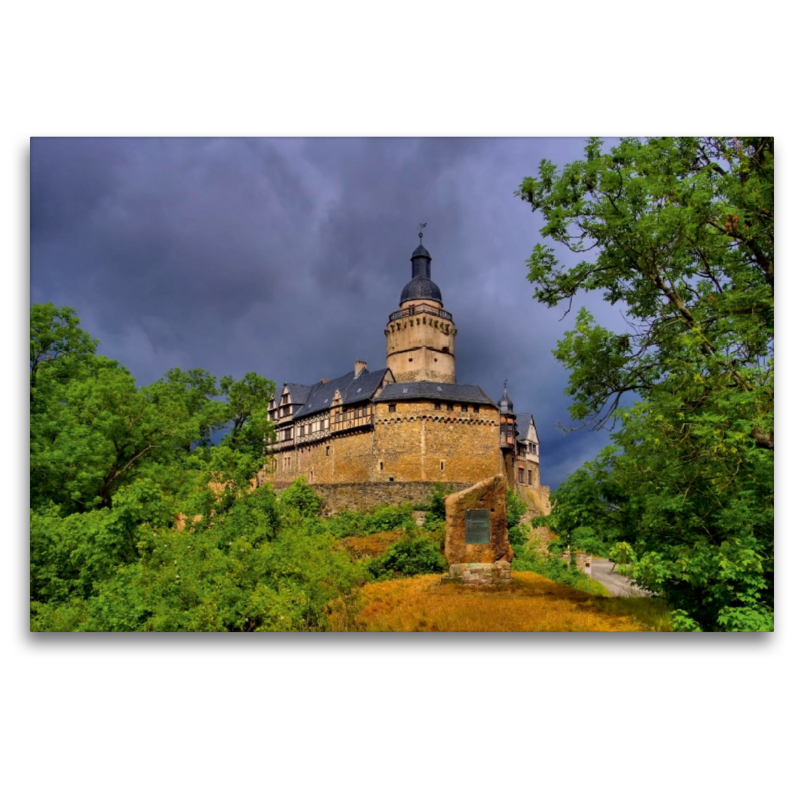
(617, 585)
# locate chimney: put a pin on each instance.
(360, 367)
(324, 380)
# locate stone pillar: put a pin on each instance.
(476, 533)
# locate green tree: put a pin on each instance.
(93, 430)
(247, 402)
(58, 345)
(680, 233)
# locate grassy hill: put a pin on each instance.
(529, 603)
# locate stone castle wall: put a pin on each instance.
(415, 443)
(365, 497)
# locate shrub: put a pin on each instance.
(302, 499)
(385, 518)
(414, 555)
(435, 507)
(517, 532)
(554, 569)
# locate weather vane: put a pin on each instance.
(421, 226)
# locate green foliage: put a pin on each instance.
(301, 499)
(681, 232)
(93, 430)
(515, 509)
(383, 518)
(247, 402)
(58, 346)
(238, 569)
(554, 569)
(412, 555)
(435, 506)
(139, 523)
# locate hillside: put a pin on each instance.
(530, 603)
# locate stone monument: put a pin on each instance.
(476, 534)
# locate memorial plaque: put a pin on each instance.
(478, 526)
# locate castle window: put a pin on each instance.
(441, 465)
(380, 465)
(437, 406)
(337, 417)
(521, 477)
(530, 478)
(464, 407)
(410, 359)
(475, 409)
(391, 480)
(327, 451)
(445, 349)
(392, 408)
(450, 406)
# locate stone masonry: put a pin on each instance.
(490, 495)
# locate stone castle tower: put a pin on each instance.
(420, 335)
(388, 436)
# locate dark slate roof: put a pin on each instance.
(421, 251)
(351, 389)
(505, 403)
(428, 390)
(299, 392)
(421, 289)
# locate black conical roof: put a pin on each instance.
(421, 251)
(421, 287)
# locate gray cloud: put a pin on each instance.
(285, 256)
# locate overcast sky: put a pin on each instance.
(286, 256)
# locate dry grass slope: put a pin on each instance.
(529, 603)
(377, 544)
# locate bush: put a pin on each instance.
(414, 555)
(302, 499)
(385, 518)
(435, 507)
(554, 569)
(515, 508)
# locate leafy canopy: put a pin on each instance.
(680, 234)
(138, 522)
(93, 430)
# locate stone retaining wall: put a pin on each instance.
(367, 496)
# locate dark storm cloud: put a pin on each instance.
(285, 256)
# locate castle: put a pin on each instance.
(387, 436)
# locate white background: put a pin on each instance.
(393, 716)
